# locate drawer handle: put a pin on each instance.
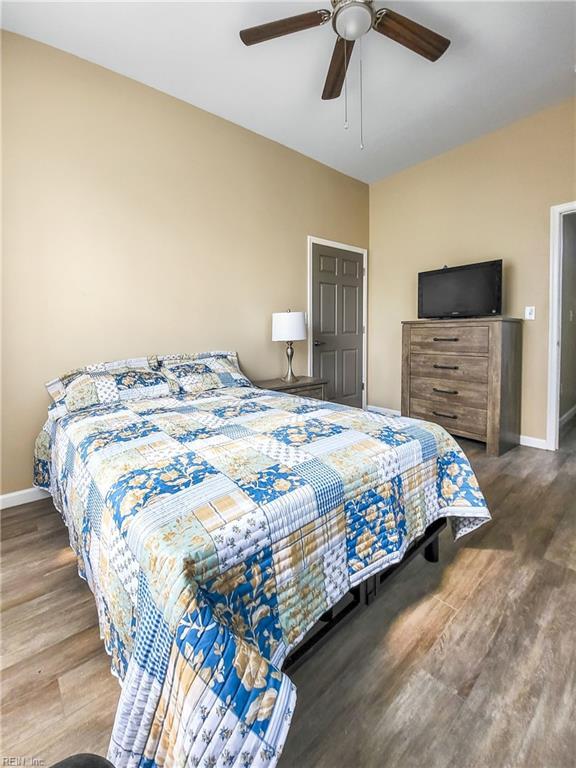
(445, 391)
(446, 367)
(445, 415)
(445, 338)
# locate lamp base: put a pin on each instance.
(289, 378)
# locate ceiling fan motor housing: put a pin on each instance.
(352, 18)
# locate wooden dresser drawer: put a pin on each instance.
(305, 386)
(447, 367)
(471, 394)
(455, 418)
(450, 338)
(317, 392)
(465, 375)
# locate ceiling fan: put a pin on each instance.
(351, 19)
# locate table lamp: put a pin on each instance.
(289, 327)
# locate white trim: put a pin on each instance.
(333, 244)
(385, 411)
(535, 442)
(555, 323)
(565, 418)
(24, 496)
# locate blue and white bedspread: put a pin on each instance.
(214, 531)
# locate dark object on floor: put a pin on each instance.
(84, 761)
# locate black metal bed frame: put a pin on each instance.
(364, 594)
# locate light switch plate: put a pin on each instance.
(529, 313)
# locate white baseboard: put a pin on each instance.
(535, 442)
(568, 415)
(385, 411)
(24, 496)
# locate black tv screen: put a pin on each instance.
(473, 290)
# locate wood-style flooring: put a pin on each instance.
(468, 663)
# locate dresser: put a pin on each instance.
(306, 386)
(465, 375)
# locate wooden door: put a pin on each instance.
(337, 322)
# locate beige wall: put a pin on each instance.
(568, 351)
(136, 223)
(488, 199)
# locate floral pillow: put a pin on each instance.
(198, 372)
(106, 383)
(186, 357)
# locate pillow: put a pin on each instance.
(57, 387)
(186, 357)
(200, 372)
(106, 383)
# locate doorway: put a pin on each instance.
(562, 342)
(337, 311)
(567, 410)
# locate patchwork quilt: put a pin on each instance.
(215, 529)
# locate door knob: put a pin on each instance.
(318, 343)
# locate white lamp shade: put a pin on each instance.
(288, 326)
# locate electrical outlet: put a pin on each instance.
(529, 313)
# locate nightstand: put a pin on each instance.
(306, 386)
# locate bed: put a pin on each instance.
(215, 524)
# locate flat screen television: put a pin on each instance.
(472, 290)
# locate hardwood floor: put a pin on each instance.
(470, 663)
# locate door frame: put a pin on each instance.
(312, 240)
(555, 323)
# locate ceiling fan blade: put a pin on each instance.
(419, 39)
(284, 27)
(337, 69)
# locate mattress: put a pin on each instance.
(215, 530)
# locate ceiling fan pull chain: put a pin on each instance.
(361, 101)
(345, 88)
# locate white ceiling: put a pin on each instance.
(507, 59)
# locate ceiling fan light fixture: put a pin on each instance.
(352, 19)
